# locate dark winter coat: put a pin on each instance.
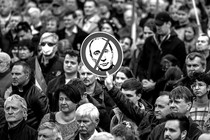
(37, 103)
(154, 50)
(20, 132)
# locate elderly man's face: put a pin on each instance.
(106, 60)
(14, 113)
(48, 45)
(86, 125)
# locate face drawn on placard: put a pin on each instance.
(101, 52)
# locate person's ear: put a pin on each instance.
(31, 53)
(24, 114)
(169, 24)
(27, 75)
(183, 134)
(138, 95)
(189, 106)
(208, 88)
(97, 122)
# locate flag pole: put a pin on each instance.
(197, 17)
(133, 27)
(157, 6)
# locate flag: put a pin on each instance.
(197, 17)
(133, 27)
(39, 78)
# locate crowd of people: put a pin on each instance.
(161, 91)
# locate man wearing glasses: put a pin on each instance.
(50, 63)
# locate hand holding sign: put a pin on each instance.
(109, 81)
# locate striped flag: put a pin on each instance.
(39, 78)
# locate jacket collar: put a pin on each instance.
(24, 88)
(16, 129)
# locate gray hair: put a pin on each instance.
(103, 135)
(53, 127)
(89, 110)
(21, 100)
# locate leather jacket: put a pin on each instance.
(37, 103)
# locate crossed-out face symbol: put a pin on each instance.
(97, 47)
(101, 53)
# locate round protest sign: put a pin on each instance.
(101, 52)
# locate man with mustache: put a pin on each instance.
(94, 88)
(176, 127)
(87, 116)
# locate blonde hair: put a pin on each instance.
(48, 34)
